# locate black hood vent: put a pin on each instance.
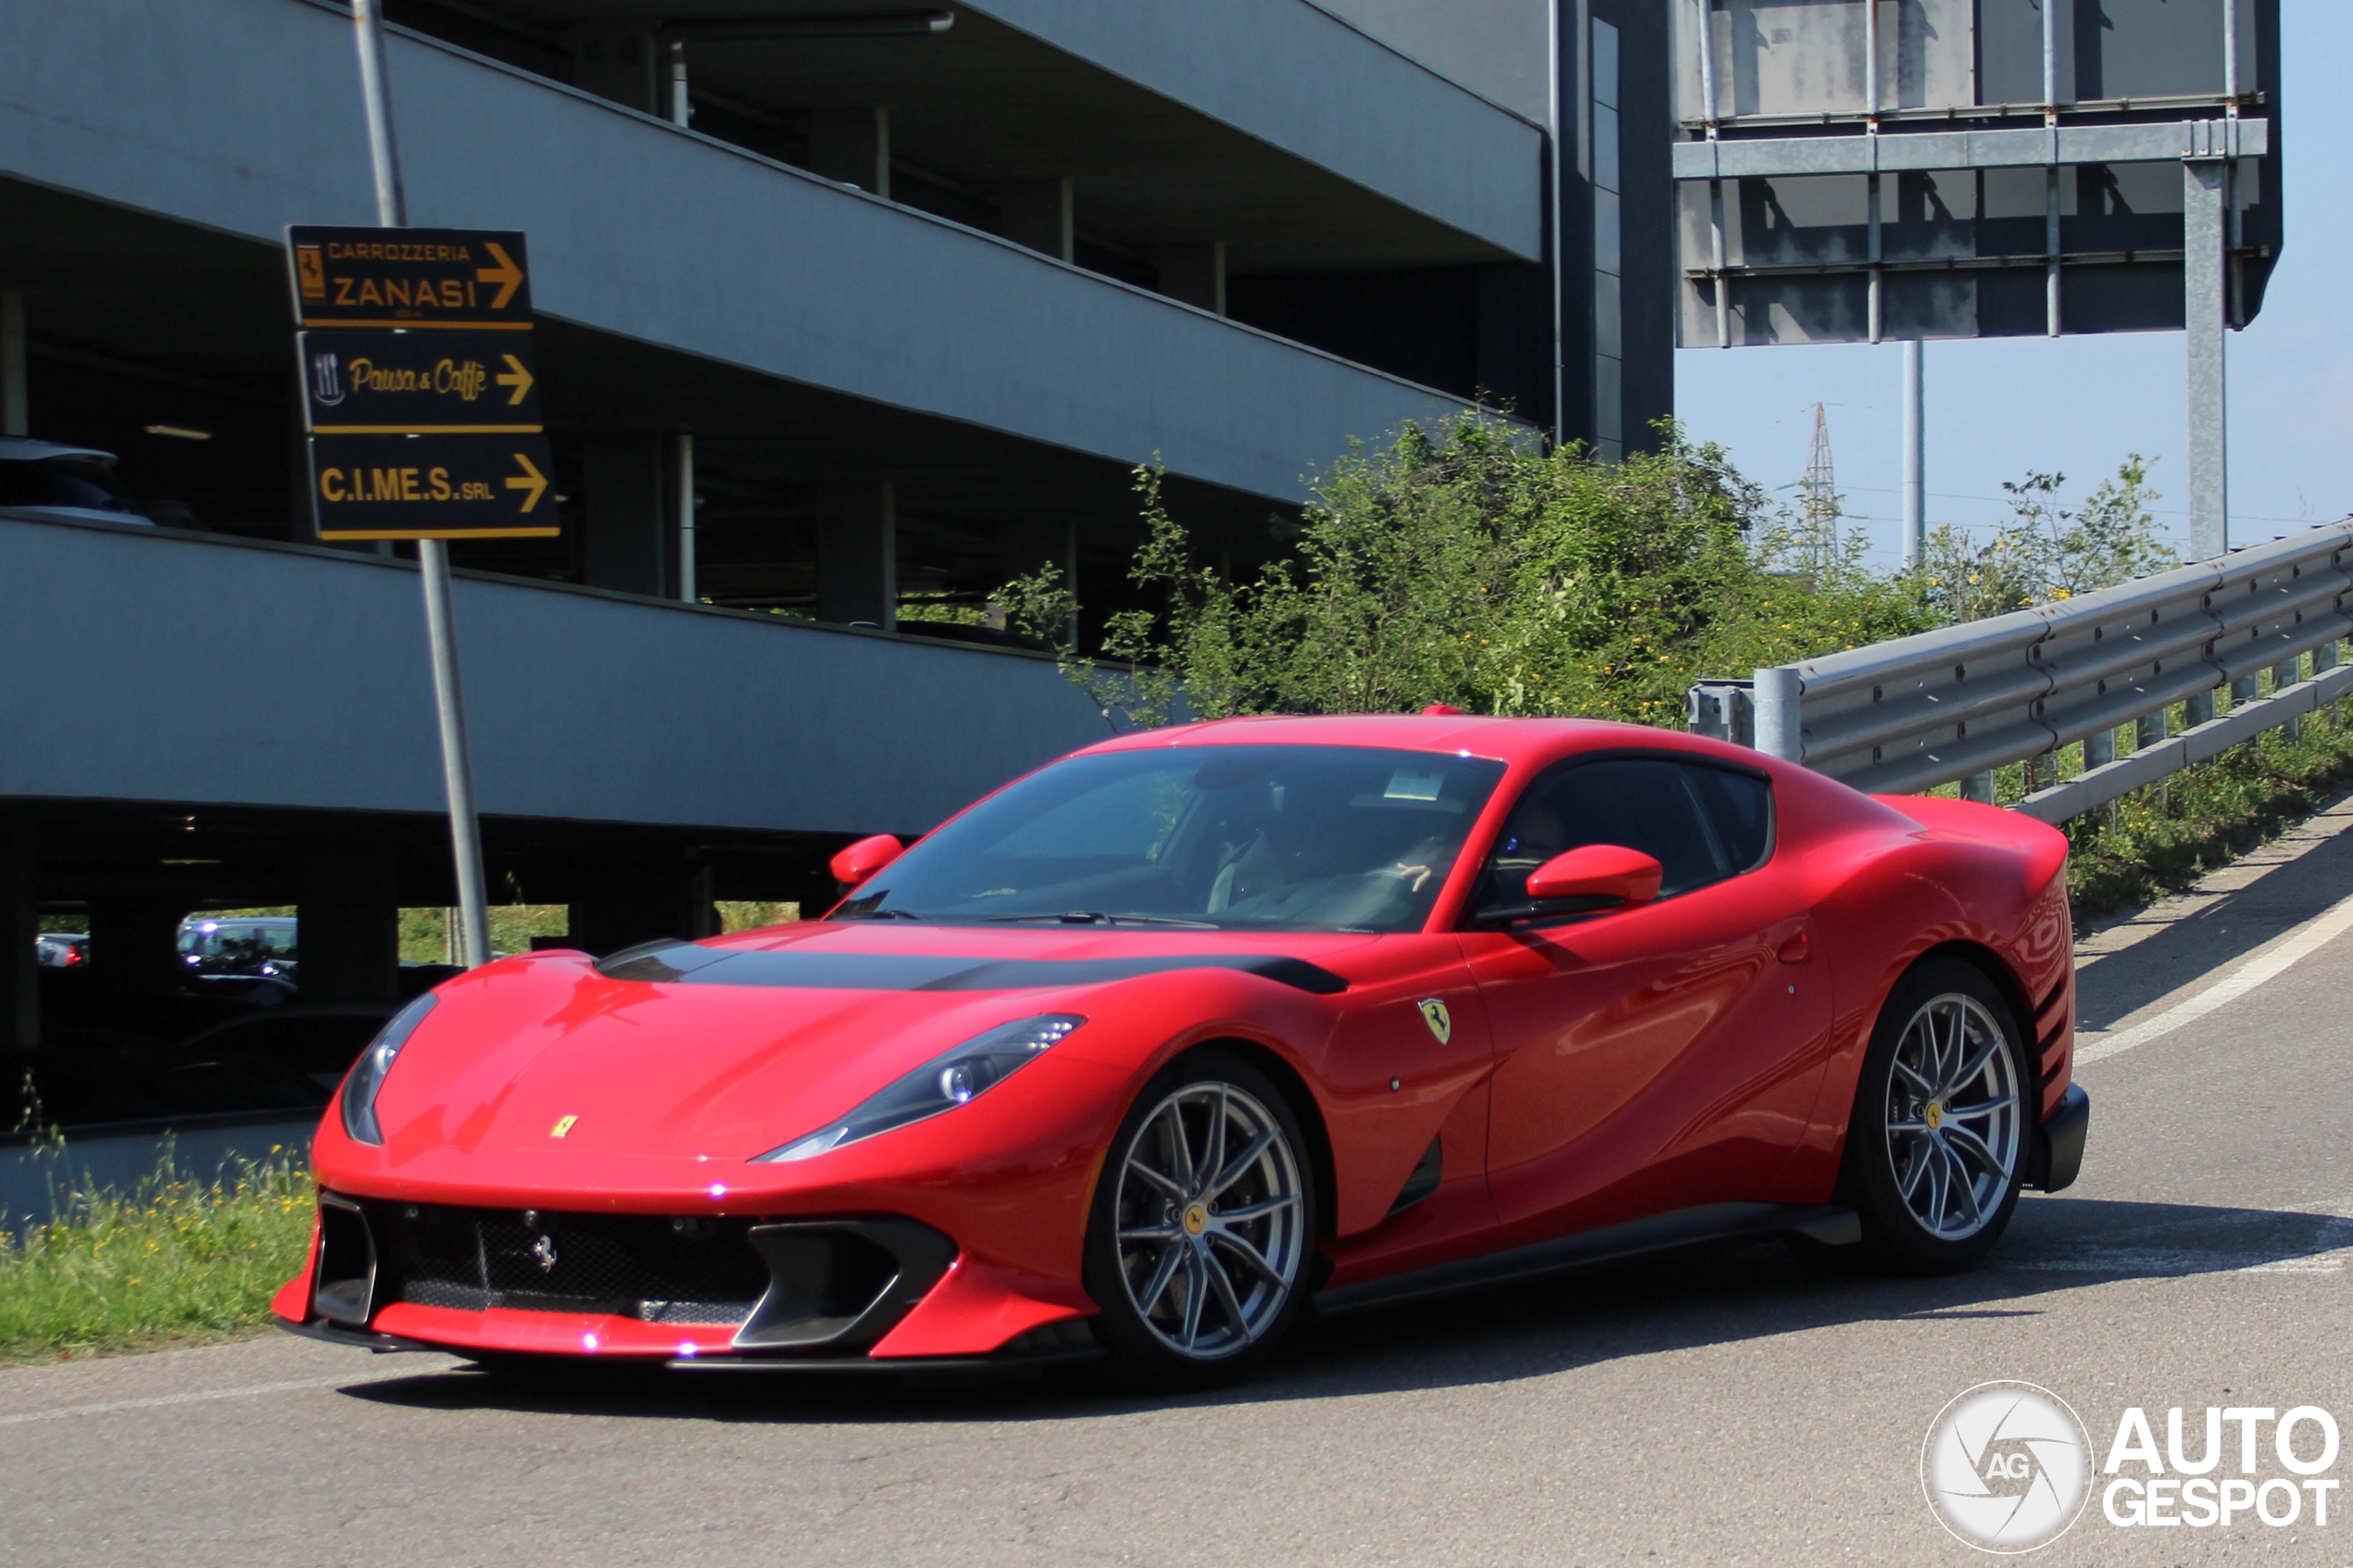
(673, 964)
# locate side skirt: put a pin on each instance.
(1706, 1225)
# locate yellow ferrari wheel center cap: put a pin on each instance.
(1196, 1218)
(1936, 1115)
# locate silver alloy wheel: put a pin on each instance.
(1954, 1121)
(1212, 1224)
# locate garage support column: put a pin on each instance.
(682, 475)
(1040, 214)
(858, 557)
(134, 943)
(625, 531)
(1032, 545)
(1194, 273)
(20, 925)
(349, 941)
(15, 417)
(852, 146)
(618, 60)
(628, 910)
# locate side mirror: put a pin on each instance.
(868, 856)
(1600, 874)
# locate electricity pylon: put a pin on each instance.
(1818, 500)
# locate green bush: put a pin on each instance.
(1465, 566)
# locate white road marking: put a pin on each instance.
(2146, 1261)
(247, 1391)
(2314, 934)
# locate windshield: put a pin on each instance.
(1246, 837)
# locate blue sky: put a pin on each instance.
(1998, 408)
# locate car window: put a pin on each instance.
(1740, 806)
(1642, 803)
(1123, 818)
(1238, 838)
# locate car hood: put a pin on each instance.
(725, 1048)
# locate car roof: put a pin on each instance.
(24, 449)
(1508, 740)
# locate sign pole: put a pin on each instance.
(433, 554)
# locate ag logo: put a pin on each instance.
(2006, 1467)
(1441, 1022)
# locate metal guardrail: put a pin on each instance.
(1901, 717)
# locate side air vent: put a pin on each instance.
(1424, 1181)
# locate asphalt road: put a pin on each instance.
(1740, 1407)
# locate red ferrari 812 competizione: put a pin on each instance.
(1200, 1028)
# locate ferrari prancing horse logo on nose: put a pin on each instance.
(1442, 1023)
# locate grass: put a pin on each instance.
(2161, 838)
(2164, 838)
(175, 1263)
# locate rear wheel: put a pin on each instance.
(1203, 1227)
(1936, 1152)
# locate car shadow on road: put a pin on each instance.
(2234, 924)
(2053, 1245)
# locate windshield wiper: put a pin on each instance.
(1098, 917)
(879, 914)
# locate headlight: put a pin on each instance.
(367, 1078)
(942, 1084)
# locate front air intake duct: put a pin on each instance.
(840, 1285)
(343, 1285)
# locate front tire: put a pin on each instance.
(1937, 1148)
(1203, 1226)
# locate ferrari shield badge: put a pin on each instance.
(563, 1125)
(1442, 1023)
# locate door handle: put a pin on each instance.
(1797, 949)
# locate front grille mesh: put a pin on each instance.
(684, 1269)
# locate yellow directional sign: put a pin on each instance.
(501, 274)
(530, 481)
(420, 390)
(413, 279)
(419, 383)
(432, 487)
(518, 376)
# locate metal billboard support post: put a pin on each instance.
(1915, 457)
(2205, 186)
(433, 554)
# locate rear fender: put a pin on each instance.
(2002, 906)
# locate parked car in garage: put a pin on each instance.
(262, 946)
(44, 481)
(61, 950)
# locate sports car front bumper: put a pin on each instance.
(870, 1287)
